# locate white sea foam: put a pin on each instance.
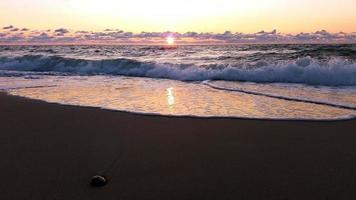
(335, 72)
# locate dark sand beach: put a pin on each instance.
(50, 151)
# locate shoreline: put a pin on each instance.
(2, 92)
(50, 151)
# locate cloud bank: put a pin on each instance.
(15, 35)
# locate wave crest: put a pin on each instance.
(335, 72)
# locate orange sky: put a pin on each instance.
(182, 15)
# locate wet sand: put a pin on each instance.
(50, 151)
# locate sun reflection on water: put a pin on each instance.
(175, 98)
(170, 96)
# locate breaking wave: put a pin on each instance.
(335, 72)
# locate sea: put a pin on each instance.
(258, 81)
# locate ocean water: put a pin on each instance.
(249, 81)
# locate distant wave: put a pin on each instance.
(335, 72)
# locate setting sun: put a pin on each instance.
(170, 40)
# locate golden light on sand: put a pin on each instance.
(170, 40)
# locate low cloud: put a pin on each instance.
(14, 29)
(12, 35)
(8, 27)
(2, 35)
(61, 31)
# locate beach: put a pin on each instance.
(51, 151)
(185, 100)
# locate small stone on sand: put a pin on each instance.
(98, 181)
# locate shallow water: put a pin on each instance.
(261, 81)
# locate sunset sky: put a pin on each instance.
(289, 16)
(199, 16)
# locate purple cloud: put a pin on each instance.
(2, 35)
(113, 36)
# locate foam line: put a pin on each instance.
(279, 97)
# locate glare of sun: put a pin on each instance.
(170, 40)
